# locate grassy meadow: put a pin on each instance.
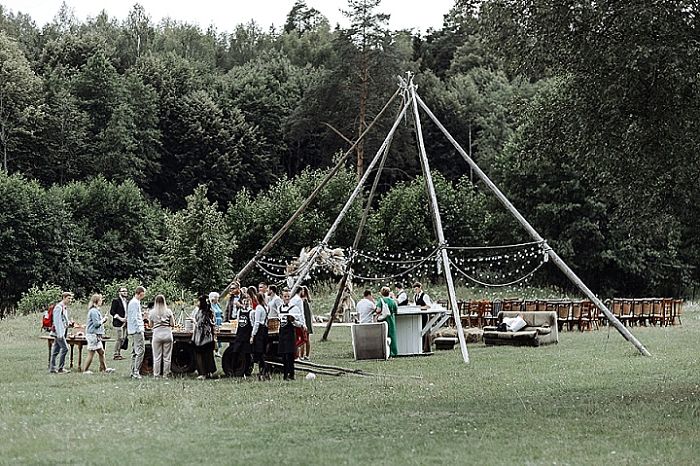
(591, 399)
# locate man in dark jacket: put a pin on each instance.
(118, 313)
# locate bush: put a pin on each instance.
(174, 293)
(198, 246)
(37, 299)
(252, 221)
(32, 238)
(121, 228)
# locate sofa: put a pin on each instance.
(541, 329)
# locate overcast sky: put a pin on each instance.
(405, 14)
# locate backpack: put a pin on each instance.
(47, 319)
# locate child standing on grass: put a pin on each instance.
(94, 332)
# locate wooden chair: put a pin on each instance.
(586, 316)
(563, 310)
(616, 308)
(595, 316)
(512, 305)
(627, 315)
(530, 306)
(643, 312)
(677, 311)
(657, 312)
(575, 318)
(464, 313)
(667, 304)
(491, 310)
(473, 313)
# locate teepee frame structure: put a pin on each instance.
(413, 103)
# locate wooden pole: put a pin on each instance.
(307, 201)
(351, 199)
(356, 243)
(438, 226)
(536, 236)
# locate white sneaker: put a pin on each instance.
(136, 376)
(87, 372)
(109, 370)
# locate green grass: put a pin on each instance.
(589, 400)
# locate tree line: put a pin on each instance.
(585, 113)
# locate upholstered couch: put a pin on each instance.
(541, 329)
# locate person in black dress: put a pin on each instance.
(259, 336)
(422, 299)
(289, 315)
(203, 340)
(242, 346)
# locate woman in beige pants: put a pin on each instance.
(162, 322)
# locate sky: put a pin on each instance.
(418, 15)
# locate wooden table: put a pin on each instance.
(183, 354)
(72, 340)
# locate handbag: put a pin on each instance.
(125, 344)
(384, 311)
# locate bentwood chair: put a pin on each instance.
(677, 311)
(627, 314)
(667, 304)
(563, 310)
(586, 318)
(657, 312)
(575, 315)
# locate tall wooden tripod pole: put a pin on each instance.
(536, 236)
(438, 226)
(356, 243)
(356, 192)
(308, 200)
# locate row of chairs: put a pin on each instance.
(577, 314)
(647, 311)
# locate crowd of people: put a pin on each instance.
(385, 308)
(253, 309)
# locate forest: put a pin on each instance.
(165, 151)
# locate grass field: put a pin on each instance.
(591, 399)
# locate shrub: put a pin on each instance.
(32, 237)
(198, 246)
(252, 221)
(37, 299)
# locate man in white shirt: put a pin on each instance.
(299, 303)
(263, 289)
(273, 302)
(118, 313)
(366, 308)
(59, 349)
(135, 328)
(420, 297)
(401, 295)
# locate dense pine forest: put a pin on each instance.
(166, 151)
